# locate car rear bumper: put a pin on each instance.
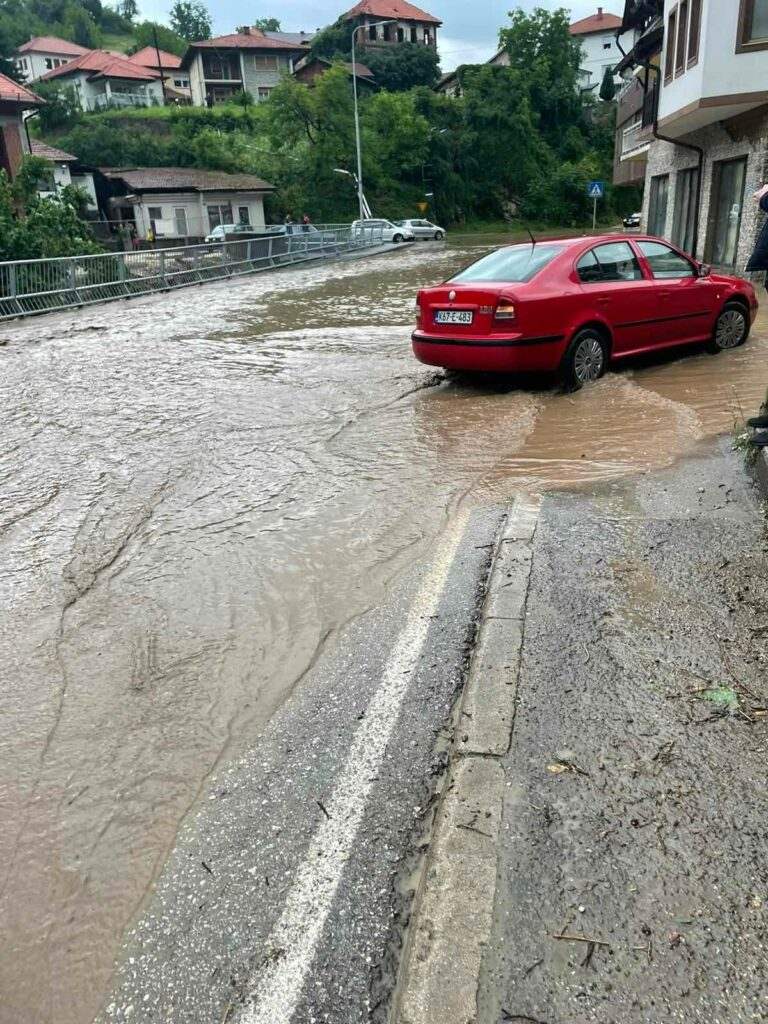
(512, 354)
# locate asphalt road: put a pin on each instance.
(284, 897)
(634, 822)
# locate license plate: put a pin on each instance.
(454, 316)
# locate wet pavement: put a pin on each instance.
(632, 882)
(200, 494)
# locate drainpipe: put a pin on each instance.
(685, 145)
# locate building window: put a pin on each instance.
(682, 37)
(372, 33)
(427, 37)
(154, 213)
(266, 61)
(49, 63)
(385, 33)
(180, 216)
(400, 34)
(753, 25)
(684, 221)
(243, 215)
(694, 33)
(657, 207)
(606, 46)
(220, 214)
(729, 180)
(263, 93)
(669, 63)
(414, 34)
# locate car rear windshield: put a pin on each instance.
(514, 264)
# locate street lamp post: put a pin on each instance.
(360, 196)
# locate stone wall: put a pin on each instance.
(742, 136)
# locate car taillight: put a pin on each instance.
(505, 311)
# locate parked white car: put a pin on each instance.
(423, 229)
(381, 229)
(223, 231)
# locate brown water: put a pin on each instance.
(196, 492)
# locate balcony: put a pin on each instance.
(120, 100)
(635, 141)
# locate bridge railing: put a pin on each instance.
(28, 287)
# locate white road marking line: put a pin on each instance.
(278, 987)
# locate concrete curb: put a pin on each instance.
(761, 472)
(453, 907)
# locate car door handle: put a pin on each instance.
(603, 302)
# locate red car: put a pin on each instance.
(569, 306)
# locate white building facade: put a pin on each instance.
(184, 203)
(713, 107)
(600, 51)
(42, 54)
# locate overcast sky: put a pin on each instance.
(469, 33)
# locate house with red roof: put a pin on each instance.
(600, 51)
(176, 80)
(407, 23)
(42, 54)
(15, 99)
(248, 60)
(103, 80)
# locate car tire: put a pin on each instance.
(585, 360)
(439, 236)
(397, 239)
(731, 328)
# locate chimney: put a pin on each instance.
(599, 12)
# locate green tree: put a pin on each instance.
(191, 20)
(333, 41)
(608, 86)
(44, 228)
(267, 24)
(167, 39)
(79, 27)
(129, 9)
(62, 106)
(401, 67)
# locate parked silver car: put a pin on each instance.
(385, 230)
(423, 229)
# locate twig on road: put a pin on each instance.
(322, 808)
(579, 938)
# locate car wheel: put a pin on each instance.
(439, 236)
(585, 361)
(731, 328)
(397, 239)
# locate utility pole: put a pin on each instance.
(360, 195)
(159, 63)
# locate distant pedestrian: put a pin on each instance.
(305, 222)
(288, 224)
(150, 236)
(759, 258)
(134, 236)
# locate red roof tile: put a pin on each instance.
(252, 40)
(603, 21)
(100, 63)
(53, 45)
(12, 92)
(391, 9)
(147, 58)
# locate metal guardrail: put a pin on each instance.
(28, 287)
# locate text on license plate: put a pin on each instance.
(454, 316)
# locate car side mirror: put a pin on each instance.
(704, 270)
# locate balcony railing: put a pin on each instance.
(120, 99)
(634, 140)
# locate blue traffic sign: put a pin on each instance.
(596, 189)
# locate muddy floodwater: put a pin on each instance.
(197, 491)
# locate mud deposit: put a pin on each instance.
(196, 492)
